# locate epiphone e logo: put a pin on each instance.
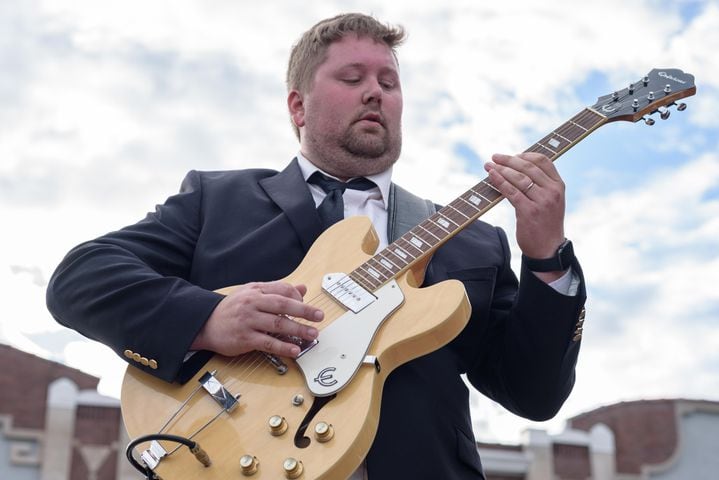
(669, 77)
(325, 377)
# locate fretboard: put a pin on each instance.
(434, 231)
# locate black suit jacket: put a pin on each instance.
(146, 291)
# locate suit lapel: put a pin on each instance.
(289, 191)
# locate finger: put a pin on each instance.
(283, 298)
(279, 288)
(543, 163)
(505, 187)
(279, 305)
(521, 170)
(284, 325)
(509, 182)
(267, 343)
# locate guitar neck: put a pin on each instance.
(425, 238)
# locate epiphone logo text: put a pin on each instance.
(667, 76)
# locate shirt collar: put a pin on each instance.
(382, 180)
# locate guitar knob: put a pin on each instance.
(649, 121)
(249, 465)
(277, 424)
(324, 432)
(681, 107)
(293, 468)
(664, 114)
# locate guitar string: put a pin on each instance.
(325, 302)
(256, 359)
(242, 377)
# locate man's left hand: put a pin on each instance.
(533, 186)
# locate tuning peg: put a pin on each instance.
(650, 96)
(681, 107)
(649, 121)
(631, 88)
(668, 89)
(664, 113)
(635, 104)
(645, 81)
(615, 96)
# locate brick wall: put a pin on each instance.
(24, 379)
(645, 432)
(571, 462)
(97, 427)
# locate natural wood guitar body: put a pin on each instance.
(429, 318)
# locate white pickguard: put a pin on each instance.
(330, 365)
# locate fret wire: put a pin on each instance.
(441, 227)
(484, 203)
(422, 236)
(377, 265)
(384, 257)
(367, 277)
(458, 211)
(411, 245)
(396, 246)
(461, 211)
(362, 279)
(447, 219)
(559, 135)
(546, 148)
(469, 204)
(485, 182)
(368, 268)
(578, 125)
(397, 258)
(479, 194)
(426, 230)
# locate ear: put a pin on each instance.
(296, 106)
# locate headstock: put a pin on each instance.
(656, 92)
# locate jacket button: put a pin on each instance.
(144, 361)
(128, 353)
(136, 357)
(153, 364)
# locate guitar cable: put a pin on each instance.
(194, 447)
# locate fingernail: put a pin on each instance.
(312, 332)
(319, 315)
(294, 351)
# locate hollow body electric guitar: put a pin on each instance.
(264, 417)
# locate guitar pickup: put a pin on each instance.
(347, 292)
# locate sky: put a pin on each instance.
(104, 106)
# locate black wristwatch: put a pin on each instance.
(561, 260)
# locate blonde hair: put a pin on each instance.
(311, 50)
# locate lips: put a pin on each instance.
(372, 117)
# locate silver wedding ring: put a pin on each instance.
(529, 187)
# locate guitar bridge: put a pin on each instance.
(218, 392)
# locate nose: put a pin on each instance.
(373, 92)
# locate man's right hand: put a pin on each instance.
(247, 318)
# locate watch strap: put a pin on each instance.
(562, 259)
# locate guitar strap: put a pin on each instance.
(405, 211)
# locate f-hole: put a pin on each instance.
(302, 441)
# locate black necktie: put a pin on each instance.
(332, 208)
